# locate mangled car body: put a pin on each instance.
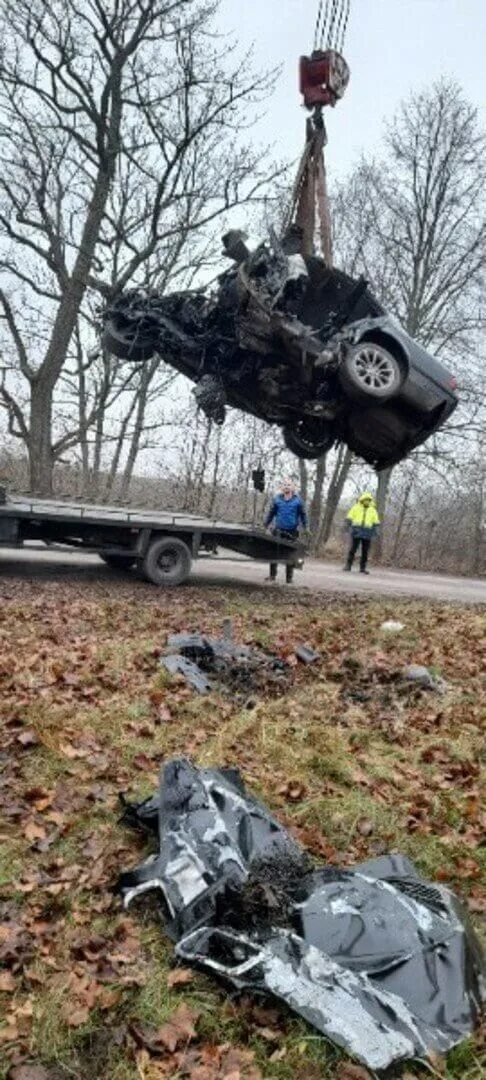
(297, 344)
(378, 960)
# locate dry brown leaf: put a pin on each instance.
(27, 738)
(179, 977)
(9, 1033)
(346, 1070)
(278, 1055)
(28, 1072)
(107, 998)
(33, 831)
(269, 1034)
(437, 1061)
(76, 1017)
(179, 1029)
(7, 982)
(72, 752)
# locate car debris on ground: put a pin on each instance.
(209, 663)
(378, 960)
(425, 679)
(306, 654)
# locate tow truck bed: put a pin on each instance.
(161, 544)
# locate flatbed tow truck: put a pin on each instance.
(161, 545)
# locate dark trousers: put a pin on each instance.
(283, 534)
(365, 550)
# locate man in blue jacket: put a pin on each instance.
(287, 512)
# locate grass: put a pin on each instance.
(354, 763)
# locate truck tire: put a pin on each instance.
(167, 562)
(119, 562)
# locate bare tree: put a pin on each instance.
(120, 134)
(413, 221)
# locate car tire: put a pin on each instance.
(119, 562)
(127, 342)
(371, 372)
(167, 562)
(309, 438)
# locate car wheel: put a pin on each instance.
(309, 438)
(119, 562)
(370, 371)
(129, 340)
(167, 562)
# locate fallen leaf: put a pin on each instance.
(76, 1017)
(33, 831)
(179, 977)
(179, 1029)
(269, 1034)
(107, 998)
(293, 790)
(365, 827)
(347, 1071)
(477, 904)
(7, 982)
(437, 1061)
(278, 1055)
(28, 1072)
(27, 738)
(72, 752)
(9, 1033)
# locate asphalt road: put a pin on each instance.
(38, 565)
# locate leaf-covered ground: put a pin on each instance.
(351, 759)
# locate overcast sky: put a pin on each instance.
(392, 47)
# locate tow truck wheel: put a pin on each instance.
(167, 562)
(370, 371)
(309, 438)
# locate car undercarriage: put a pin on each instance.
(284, 338)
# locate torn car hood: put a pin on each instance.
(378, 960)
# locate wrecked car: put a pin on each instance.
(377, 959)
(288, 340)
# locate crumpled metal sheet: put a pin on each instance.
(381, 962)
(207, 663)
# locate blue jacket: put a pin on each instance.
(287, 513)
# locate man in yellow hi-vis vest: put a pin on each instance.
(362, 522)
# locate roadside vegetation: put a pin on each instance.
(353, 760)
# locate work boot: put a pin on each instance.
(347, 567)
(363, 570)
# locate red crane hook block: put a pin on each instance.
(324, 77)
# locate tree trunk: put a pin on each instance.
(303, 481)
(384, 478)
(215, 478)
(140, 400)
(203, 465)
(41, 458)
(316, 503)
(334, 492)
(109, 488)
(401, 519)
